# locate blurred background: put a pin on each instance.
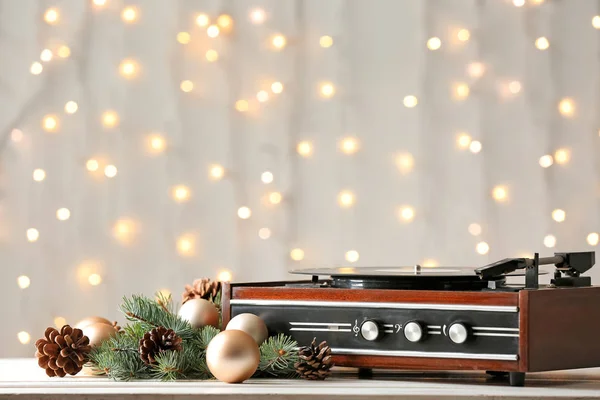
(147, 143)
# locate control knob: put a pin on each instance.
(370, 330)
(458, 333)
(413, 331)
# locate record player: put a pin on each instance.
(441, 318)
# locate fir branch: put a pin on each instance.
(278, 355)
(150, 313)
(118, 356)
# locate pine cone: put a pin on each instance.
(64, 352)
(315, 361)
(158, 340)
(201, 288)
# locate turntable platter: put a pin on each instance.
(408, 278)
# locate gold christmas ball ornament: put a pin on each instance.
(99, 332)
(199, 313)
(232, 356)
(91, 320)
(251, 324)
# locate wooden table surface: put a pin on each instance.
(23, 379)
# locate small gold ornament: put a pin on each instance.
(251, 324)
(99, 332)
(199, 313)
(232, 356)
(91, 320)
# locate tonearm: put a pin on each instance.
(569, 267)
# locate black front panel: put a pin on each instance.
(489, 332)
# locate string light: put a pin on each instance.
(212, 55)
(327, 89)
(559, 215)
(36, 68)
(275, 197)
(216, 172)
(277, 87)
(434, 43)
(326, 41)
(59, 322)
(352, 256)
(110, 171)
(349, 145)
(128, 68)
(244, 212)
(264, 233)
(181, 193)
(241, 105)
(278, 41)
(429, 263)
(463, 141)
(258, 16)
(262, 96)
(124, 230)
(542, 43)
(157, 143)
(51, 16)
(546, 161)
(519, 3)
(475, 146)
(566, 107)
(50, 123)
(474, 229)
(304, 148)
(266, 177)
(225, 22)
(213, 31)
(297, 254)
(407, 214)
(129, 14)
(183, 37)
(71, 107)
(92, 165)
(16, 135)
(24, 337)
(187, 86)
(63, 51)
(164, 293)
(39, 175)
(202, 20)
(99, 3)
(346, 199)
(562, 156)
(410, 101)
(23, 281)
(185, 245)
(110, 119)
(95, 279)
(224, 276)
(550, 241)
(463, 35)
(461, 91)
(46, 55)
(537, 2)
(405, 162)
(499, 193)
(63, 214)
(476, 69)
(482, 248)
(33, 234)
(514, 87)
(593, 239)
(596, 22)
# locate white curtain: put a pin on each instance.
(415, 187)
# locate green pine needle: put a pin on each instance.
(278, 355)
(119, 357)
